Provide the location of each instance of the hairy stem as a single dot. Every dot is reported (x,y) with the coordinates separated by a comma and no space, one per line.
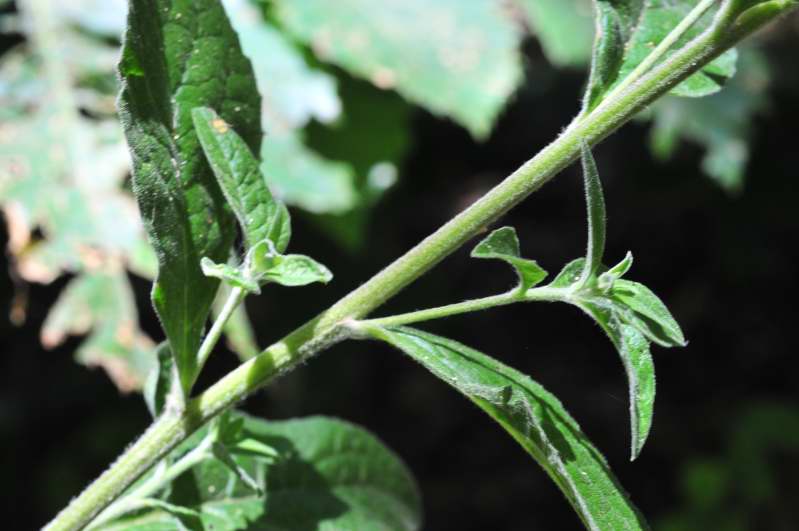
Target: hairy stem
(318,334)
(234,299)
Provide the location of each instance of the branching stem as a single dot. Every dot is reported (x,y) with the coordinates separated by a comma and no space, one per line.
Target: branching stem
(320,333)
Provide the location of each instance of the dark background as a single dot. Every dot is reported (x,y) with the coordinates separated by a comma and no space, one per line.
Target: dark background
(723,450)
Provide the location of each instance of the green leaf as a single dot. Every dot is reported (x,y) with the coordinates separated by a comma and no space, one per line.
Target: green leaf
(570,274)
(296,270)
(647,313)
(102,305)
(633,349)
(503,244)
(609,277)
(301,177)
(722,123)
(179,55)
(457,59)
(563,27)
(231,275)
(329,475)
(238,173)
(163,383)
(534,418)
(630,29)
(595,203)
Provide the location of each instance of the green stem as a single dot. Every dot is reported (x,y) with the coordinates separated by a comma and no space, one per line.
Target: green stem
(137,499)
(234,299)
(171,429)
(449,310)
(665,45)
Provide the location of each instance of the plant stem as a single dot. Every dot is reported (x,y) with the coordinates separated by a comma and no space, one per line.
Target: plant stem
(685,24)
(234,298)
(137,498)
(326,329)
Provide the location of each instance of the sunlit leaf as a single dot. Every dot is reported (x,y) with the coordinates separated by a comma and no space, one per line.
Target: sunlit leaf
(534,418)
(171,63)
(564,28)
(455,58)
(503,244)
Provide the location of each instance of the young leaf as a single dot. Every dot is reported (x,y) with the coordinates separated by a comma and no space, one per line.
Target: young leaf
(238,173)
(534,418)
(331,476)
(606,279)
(633,349)
(267,265)
(178,55)
(595,203)
(647,313)
(503,244)
(230,275)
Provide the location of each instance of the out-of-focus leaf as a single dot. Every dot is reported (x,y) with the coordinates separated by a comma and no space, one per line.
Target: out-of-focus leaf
(301,177)
(61,176)
(722,123)
(239,175)
(178,56)
(327,475)
(503,244)
(534,418)
(101,304)
(104,17)
(630,29)
(564,28)
(455,58)
(293,93)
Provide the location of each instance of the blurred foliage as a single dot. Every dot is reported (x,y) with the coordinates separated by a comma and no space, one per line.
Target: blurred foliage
(340,83)
(741,488)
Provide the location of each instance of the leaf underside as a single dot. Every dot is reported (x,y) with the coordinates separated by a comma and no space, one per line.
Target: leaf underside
(534,418)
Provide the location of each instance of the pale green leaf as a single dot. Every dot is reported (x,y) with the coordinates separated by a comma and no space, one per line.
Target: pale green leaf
(179,55)
(503,244)
(606,280)
(563,27)
(230,274)
(296,270)
(329,475)
(455,58)
(238,173)
(534,418)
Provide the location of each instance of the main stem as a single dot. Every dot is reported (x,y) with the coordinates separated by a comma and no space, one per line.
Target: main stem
(172,428)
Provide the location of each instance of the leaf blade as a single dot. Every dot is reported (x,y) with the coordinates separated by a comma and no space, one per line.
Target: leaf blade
(172,55)
(534,417)
(503,244)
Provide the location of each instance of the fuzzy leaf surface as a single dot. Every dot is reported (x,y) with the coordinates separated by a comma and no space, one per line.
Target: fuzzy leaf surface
(179,55)
(534,418)
(503,244)
(239,175)
(315,473)
(632,28)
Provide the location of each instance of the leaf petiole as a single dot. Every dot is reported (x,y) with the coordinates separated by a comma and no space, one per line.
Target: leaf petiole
(234,299)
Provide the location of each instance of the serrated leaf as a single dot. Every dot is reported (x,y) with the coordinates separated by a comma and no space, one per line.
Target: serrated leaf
(503,244)
(563,27)
(330,476)
(231,275)
(238,173)
(163,384)
(630,29)
(648,313)
(179,55)
(458,59)
(633,349)
(534,418)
